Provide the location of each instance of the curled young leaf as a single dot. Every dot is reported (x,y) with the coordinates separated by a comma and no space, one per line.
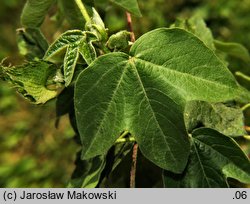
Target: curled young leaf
(73,42)
(34,80)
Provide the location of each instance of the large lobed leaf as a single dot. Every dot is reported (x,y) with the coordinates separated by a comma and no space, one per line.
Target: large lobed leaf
(145,93)
(214,157)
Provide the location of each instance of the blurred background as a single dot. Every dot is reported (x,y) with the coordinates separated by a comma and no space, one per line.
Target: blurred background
(33,153)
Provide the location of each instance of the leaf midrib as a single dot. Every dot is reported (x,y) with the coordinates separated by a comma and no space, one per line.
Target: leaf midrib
(224,157)
(108,107)
(201,165)
(145,94)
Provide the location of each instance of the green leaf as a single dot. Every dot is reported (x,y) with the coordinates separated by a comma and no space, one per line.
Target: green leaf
(129,5)
(74,42)
(145,93)
(31,43)
(34,12)
(197,26)
(214,158)
(87,172)
(227,120)
(233,49)
(34,80)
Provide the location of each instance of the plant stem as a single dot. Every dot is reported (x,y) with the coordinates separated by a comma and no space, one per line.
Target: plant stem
(243,108)
(240,74)
(129,21)
(83,10)
(123,140)
(133,166)
(135,147)
(247,137)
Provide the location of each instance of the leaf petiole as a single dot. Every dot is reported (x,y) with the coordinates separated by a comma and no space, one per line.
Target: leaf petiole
(83,10)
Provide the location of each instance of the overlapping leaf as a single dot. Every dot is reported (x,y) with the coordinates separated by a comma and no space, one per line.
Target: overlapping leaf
(214,158)
(31,43)
(145,93)
(34,12)
(74,42)
(87,172)
(129,5)
(233,49)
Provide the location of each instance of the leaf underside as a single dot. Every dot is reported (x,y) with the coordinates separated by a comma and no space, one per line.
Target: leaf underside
(214,157)
(145,93)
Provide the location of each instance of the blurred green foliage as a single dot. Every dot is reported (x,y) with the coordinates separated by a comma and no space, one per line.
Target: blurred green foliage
(33,153)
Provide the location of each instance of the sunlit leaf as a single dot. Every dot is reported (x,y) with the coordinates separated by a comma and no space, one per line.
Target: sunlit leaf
(35,80)
(197,26)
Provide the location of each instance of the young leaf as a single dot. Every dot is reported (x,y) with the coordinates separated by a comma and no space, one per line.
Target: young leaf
(129,5)
(233,49)
(34,12)
(145,93)
(33,79)
(87,172)
(214,158)
(31,43)
(119,41)
(227,120)
(75,42)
